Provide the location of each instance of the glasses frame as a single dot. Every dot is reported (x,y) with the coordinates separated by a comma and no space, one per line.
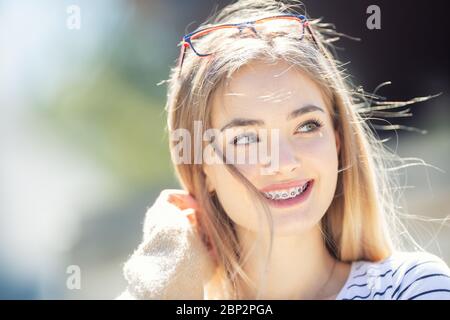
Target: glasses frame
(186,40)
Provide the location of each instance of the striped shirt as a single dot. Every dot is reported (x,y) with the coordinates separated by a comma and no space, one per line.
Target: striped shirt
(402,276)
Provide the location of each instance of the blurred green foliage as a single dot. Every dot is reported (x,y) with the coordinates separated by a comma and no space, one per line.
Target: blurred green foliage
(121,127)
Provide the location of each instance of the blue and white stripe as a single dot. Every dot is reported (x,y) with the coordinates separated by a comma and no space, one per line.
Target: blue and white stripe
(402,276)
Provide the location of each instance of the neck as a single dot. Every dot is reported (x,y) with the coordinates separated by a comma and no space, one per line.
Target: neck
(299,267)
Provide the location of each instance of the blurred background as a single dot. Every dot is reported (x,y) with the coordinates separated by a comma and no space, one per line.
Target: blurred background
(83,150)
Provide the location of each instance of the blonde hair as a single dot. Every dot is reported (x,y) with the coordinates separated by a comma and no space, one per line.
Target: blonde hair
(362,221)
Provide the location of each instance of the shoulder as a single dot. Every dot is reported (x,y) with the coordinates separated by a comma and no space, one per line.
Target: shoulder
(421,275)
(403,275)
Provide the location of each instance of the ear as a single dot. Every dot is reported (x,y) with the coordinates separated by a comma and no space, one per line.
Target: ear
(209,185)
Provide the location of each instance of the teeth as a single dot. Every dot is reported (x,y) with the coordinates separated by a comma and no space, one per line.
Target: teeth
(286,194)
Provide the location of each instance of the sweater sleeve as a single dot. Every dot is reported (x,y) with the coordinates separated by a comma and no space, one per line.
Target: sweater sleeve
(171,262)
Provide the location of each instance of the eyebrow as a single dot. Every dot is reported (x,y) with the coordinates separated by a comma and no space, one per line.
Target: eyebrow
(242,122)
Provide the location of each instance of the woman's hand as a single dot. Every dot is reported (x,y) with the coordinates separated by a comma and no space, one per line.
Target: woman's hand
(173,261)
(190,208)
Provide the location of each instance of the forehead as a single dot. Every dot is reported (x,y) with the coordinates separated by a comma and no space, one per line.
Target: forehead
(264,91)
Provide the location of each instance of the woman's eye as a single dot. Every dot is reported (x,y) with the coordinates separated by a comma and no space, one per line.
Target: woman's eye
(245,139)
(309,126)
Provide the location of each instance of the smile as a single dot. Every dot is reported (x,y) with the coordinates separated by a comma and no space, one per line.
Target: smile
(289,196)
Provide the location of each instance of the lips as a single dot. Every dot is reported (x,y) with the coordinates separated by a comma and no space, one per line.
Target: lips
(288,194)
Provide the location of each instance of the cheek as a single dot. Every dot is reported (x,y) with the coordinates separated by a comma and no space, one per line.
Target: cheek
(320,151)
(228,189)
(320,157)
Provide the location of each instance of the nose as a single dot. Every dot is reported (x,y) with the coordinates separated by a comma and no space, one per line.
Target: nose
(284,159)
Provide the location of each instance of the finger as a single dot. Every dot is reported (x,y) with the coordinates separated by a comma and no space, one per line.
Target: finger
(175,201)
(192,219)
(183,201)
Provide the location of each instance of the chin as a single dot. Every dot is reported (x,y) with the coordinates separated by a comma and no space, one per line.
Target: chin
(295,224)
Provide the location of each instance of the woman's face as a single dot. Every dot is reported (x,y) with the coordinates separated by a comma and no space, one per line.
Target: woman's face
(304,150)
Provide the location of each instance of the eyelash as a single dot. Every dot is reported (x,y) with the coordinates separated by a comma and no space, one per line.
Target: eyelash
(234,141)
(318,123)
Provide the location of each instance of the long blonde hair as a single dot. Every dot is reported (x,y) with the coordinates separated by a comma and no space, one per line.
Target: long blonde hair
(362,220)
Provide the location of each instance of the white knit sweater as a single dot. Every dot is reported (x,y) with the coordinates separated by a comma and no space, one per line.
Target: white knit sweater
(171,262)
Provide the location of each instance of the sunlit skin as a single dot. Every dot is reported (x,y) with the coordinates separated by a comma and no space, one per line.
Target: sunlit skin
(300,266)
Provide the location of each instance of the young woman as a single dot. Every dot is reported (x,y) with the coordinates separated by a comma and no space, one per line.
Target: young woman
(315,217)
